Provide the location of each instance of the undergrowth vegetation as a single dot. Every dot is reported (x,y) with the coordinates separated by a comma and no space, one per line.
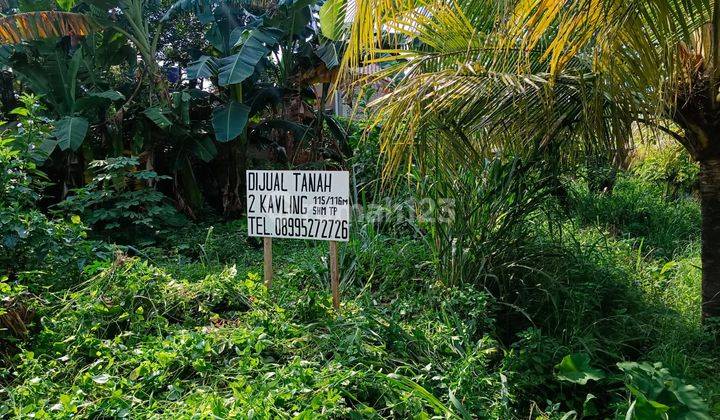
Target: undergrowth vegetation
(525,243)
(594,314)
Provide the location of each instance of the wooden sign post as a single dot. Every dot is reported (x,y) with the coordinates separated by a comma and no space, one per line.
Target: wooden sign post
(334,275)
(267,261)
(301,205)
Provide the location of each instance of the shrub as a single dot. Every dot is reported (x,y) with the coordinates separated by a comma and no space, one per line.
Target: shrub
(37,254)
(29,240)
(667,166)
(652,392)
(119,199)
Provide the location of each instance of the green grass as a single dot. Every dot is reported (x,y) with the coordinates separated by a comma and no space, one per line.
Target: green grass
(640,212)
(185,328)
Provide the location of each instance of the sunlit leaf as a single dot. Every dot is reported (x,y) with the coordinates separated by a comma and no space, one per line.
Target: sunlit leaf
(40,25)
(576,368)
(238,67)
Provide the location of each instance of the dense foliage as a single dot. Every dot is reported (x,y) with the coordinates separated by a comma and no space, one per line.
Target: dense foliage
(528,261)
(137,80)
(593,313)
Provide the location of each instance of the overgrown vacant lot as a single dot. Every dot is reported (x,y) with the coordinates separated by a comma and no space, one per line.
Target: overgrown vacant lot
(517,201)
(184,327)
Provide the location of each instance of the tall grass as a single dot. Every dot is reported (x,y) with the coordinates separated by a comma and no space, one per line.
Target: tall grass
(638,210)
(481,218)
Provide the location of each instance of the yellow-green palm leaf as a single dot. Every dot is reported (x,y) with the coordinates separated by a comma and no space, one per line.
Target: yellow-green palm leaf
(40,25)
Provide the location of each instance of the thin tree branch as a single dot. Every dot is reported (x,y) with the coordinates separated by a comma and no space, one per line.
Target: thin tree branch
(681,139)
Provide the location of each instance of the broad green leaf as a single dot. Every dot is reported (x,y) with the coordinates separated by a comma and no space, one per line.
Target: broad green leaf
(215,37)
(97,99)
(668,266)
(73,68)
(332,19)
(70,132)
(201,9)
(576,368)
(265,35)
(181,104)
(644,409)
(112,95)
(204,149)
(66,5)
(589,408)
(202,68)
(48,146)
(235,37)
(238,67)
(300,20)
(658,394)
(156,115)
(229,121)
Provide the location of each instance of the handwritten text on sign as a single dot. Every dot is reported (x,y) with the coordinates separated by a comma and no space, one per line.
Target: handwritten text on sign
(299,204)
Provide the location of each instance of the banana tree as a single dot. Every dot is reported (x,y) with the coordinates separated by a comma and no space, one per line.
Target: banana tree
(51,59)
(65,56)
(65,84)
(63,73)
(258,56)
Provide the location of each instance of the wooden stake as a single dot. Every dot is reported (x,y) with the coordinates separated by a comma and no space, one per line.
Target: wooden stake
(334,275)
(267,261)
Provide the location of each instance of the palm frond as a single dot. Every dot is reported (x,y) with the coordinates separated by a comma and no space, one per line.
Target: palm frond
(40,25)
(481,75)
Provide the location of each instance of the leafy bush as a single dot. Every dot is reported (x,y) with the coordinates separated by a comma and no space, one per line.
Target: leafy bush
(37,254)
(652,392)
(29,240)
(119,198)
(22,146)
(668,166)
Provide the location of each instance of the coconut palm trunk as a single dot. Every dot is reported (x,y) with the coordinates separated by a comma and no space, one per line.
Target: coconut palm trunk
(710,204)
(698,114)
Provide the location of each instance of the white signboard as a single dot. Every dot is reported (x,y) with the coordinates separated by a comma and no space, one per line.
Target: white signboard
(299,204)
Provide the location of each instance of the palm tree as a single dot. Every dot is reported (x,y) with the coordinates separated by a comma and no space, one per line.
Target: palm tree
(474,74)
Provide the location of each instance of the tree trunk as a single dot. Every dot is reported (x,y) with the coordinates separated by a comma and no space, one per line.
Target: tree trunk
(233,190)
(7,94)
(710,205)
(187,190)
